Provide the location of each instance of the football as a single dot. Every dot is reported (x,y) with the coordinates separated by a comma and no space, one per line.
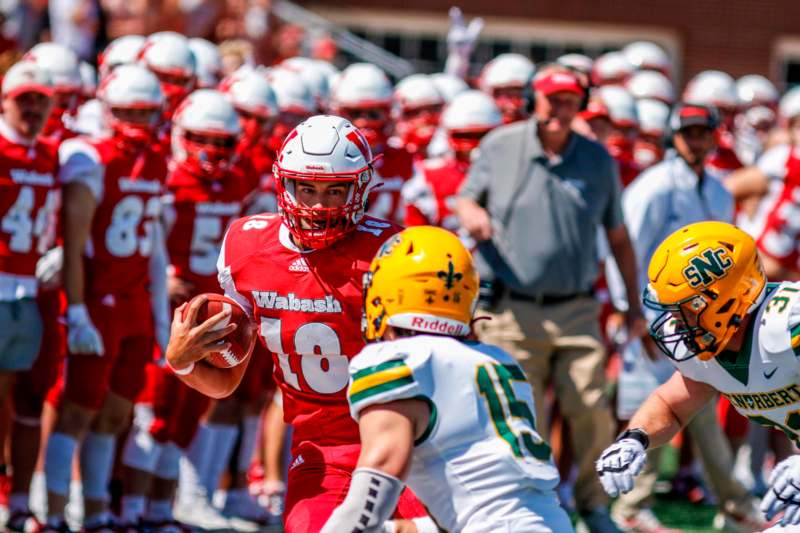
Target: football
(242,339)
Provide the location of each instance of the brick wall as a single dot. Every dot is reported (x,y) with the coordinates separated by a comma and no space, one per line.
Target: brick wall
(734,35)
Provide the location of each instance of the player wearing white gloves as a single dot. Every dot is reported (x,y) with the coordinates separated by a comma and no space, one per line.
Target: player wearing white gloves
(729,331)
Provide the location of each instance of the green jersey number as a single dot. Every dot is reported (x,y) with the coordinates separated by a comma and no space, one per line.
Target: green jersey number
(495,385)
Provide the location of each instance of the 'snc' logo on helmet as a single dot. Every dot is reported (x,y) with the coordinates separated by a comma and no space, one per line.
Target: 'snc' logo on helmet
(707,267)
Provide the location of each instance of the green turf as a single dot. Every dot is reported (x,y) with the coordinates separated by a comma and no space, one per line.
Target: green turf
(686,516)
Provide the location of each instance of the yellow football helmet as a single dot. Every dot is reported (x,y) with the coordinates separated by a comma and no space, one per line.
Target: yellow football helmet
(421,279)
(704,278)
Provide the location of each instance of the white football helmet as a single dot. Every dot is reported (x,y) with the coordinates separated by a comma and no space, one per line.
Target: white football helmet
(251,92)
(449,85)
(254,100)
(209,62)
(611,68)
(205,112)
(417,90)
(363,94)
(620,104)
(646,55)
(63,66)
(60,62)
(712,88)
(468,118)
(506,70)
(509,71)
(121,51)
(789,106)
(651,84)
(579,62)
(131,87)
(362,85)
(315,75)
(653,117)
(755,90)
(418,106)
(170,58)
(291,92)
(327,149)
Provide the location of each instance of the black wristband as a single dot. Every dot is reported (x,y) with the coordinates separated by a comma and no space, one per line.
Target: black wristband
(637,434)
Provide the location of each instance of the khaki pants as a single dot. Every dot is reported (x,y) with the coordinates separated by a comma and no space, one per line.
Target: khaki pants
(561,343)
(712,448)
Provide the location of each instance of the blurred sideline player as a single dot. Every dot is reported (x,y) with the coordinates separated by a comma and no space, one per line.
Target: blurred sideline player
(64,68)
(205,190)
(726,330)
(112,190)
(430,195)
(29,203)
(363,95)
(451,416)
(507,79)
(299,276)
(418,109)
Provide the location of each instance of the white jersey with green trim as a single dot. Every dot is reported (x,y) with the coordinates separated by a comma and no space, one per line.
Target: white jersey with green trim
(762,379)
(480,461)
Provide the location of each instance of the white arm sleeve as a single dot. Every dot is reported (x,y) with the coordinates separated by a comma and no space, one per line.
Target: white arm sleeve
(370,502)
(80,163)
(159,299)
(773,162)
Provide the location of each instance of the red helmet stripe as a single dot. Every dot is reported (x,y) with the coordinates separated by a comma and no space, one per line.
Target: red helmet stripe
(356,138)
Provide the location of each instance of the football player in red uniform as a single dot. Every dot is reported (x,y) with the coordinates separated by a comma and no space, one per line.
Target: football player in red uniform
(255,102)
(112,201)
(299,276)
(363,95)
(64,68)
(295,104)
(507,78)
(430,195)
(205,192)
(418,106)
(29,200)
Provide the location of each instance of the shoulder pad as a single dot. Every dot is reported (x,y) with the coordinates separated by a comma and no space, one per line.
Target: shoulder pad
(389,371)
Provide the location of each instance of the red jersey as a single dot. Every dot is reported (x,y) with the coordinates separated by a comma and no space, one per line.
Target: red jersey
(779,236)
(431,194)
(391,171)
(723,160)
(263,199)
(29,202)
(198,211)
(307,307)
(127,187)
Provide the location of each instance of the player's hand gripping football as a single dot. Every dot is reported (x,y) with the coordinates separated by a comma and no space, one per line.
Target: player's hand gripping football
(784,492)
(190,342)
(82,335)
(619,464)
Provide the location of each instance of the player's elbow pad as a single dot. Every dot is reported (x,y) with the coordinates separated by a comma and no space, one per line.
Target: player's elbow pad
(370,502)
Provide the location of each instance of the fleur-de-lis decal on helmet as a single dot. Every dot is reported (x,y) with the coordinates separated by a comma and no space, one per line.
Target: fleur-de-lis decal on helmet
(450,276)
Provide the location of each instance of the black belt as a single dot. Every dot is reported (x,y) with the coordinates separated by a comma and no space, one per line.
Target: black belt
(548,299)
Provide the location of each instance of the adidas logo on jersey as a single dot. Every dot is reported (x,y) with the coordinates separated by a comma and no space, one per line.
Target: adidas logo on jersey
(290,302)
(299,265)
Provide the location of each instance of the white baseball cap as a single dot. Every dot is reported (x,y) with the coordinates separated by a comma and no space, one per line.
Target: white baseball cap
(26,76)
